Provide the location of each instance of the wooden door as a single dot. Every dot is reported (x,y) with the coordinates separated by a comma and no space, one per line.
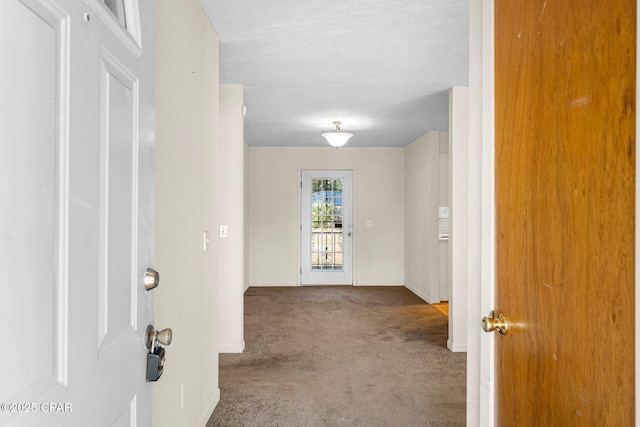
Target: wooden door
(76,216)
(565,182)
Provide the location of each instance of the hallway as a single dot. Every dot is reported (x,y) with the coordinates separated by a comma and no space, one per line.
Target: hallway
(341,356)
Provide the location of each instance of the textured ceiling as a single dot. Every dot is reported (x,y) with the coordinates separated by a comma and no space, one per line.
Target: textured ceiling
(382,67)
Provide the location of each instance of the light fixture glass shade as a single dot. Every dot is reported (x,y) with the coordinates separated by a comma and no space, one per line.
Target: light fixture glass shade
(336,138)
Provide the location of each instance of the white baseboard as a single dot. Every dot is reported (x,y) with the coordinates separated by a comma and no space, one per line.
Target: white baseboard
(422,295)
(378,284)
(271,284)
(456,347)
(210,408)
(231,348)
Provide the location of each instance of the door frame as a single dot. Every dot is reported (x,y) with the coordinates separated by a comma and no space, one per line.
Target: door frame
(481,358)
(481,104)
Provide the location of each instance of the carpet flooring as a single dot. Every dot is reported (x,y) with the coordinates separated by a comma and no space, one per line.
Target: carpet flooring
(341,356)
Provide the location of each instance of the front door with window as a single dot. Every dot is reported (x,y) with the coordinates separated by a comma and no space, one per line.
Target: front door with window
(327,228)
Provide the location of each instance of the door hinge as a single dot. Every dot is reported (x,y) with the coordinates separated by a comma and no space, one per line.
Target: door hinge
(300,227)
(300,270)
(300,184)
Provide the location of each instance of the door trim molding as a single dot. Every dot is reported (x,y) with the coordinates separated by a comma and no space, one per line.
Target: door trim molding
(481,357)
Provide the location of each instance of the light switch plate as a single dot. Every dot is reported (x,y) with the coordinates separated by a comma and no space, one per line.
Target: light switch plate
(223,231)
(205,240)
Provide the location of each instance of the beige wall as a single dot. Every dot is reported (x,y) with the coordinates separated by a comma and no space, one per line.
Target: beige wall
(422,195)
(274,211)
(186,198)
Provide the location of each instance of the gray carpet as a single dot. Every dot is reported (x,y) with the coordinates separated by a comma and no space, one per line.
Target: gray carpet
(341,356)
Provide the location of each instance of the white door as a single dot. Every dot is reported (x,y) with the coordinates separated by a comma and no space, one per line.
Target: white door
(327,228)
(76,211)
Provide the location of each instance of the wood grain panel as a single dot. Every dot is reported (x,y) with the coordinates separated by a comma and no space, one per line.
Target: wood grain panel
(565,183)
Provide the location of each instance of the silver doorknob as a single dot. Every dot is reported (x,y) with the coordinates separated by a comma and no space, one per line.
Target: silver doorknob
(151,279)
(152,336)
(164,336)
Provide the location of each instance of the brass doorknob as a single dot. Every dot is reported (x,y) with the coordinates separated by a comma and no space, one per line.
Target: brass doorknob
(495,322)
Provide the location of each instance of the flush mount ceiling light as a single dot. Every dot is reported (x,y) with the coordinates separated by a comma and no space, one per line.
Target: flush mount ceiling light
(336,138)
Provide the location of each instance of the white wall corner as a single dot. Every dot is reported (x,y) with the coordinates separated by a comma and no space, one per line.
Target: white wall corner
(231,194)
(460,234)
